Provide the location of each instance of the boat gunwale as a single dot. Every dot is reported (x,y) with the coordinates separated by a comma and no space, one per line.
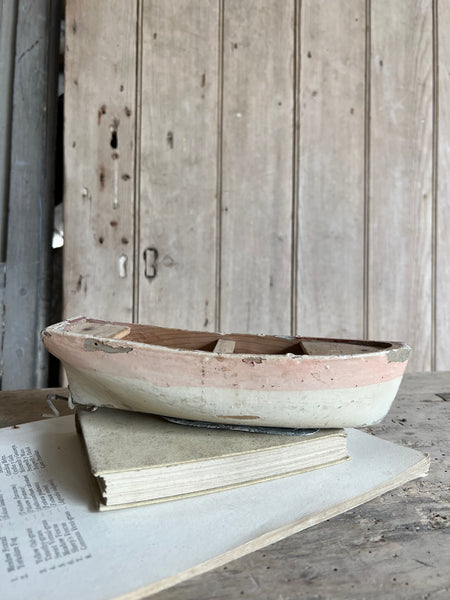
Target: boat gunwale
(59,329)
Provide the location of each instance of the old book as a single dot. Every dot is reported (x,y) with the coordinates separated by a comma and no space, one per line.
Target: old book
(139,458)
(52,539)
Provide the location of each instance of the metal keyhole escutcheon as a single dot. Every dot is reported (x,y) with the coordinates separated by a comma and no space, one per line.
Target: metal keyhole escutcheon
(150,261)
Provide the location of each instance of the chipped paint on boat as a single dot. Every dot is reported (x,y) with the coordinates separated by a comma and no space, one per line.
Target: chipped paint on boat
(281,390)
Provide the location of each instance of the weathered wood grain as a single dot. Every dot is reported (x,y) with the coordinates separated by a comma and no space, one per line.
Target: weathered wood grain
(229,233)
(400,216)
(443,189)
(33,134)
(100,94)
(331,163)
(24,406)
(8,23)
(257,166)
(224,346)
(394,547)
(177,233)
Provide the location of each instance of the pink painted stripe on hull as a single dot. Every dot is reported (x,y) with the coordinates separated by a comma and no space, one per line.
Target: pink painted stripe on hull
(166,368)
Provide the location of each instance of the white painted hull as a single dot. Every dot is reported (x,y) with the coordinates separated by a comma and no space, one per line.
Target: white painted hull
(354,407)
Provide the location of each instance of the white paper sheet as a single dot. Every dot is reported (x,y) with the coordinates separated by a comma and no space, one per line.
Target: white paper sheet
(54,544)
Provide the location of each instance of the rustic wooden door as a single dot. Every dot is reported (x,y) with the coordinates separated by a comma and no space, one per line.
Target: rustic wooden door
(260,166)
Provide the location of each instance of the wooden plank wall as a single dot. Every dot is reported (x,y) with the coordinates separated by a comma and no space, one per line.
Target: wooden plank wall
(441,163)
(286,167)
(8,25)
(25,311)
(401,199)
(330,244)
(256,166)
(99,147)
(178,174)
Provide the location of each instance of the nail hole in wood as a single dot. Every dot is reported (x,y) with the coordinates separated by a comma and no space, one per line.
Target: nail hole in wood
(114,139)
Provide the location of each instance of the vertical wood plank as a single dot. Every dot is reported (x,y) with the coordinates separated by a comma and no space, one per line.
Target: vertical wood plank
(177,274)
(401,176)
(331,162)
(31,193)
(8,22)
(257,166)
(100,95)
(443,191)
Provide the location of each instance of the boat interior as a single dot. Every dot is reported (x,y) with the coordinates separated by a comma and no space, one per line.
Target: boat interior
(222,343)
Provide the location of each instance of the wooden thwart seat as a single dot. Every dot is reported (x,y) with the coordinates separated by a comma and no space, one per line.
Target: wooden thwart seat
(104,330)
(224,346)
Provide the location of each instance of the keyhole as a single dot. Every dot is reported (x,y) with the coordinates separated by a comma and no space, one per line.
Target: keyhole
(114,140)
(123,259)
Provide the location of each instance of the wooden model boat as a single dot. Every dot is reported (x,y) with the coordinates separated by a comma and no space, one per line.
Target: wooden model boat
(260,380)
